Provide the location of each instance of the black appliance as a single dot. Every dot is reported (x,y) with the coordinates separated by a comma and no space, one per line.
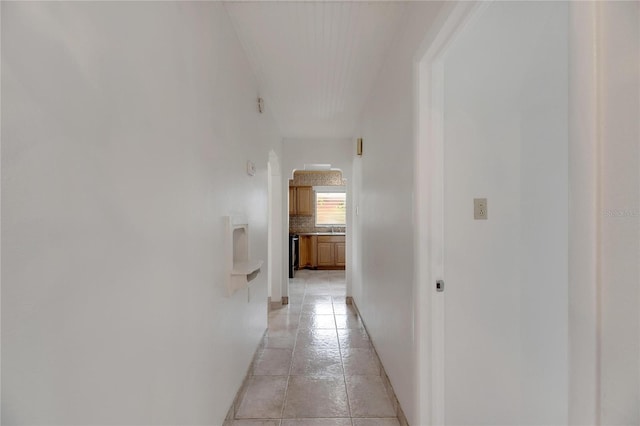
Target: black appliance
(294,240)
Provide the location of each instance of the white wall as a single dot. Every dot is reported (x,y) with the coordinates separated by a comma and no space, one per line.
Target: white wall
(619,126)
(383,288)
(585,215)
(126,128)
(295,154)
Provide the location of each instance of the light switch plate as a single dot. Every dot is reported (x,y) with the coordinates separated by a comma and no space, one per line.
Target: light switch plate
(480,208)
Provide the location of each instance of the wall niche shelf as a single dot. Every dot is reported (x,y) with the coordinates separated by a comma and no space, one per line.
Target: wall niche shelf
(242,270)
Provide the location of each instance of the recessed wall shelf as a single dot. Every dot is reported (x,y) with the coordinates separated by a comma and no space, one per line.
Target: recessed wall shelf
(242,270)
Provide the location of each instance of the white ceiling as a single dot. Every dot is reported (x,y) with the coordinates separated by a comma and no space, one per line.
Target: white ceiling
(316,61)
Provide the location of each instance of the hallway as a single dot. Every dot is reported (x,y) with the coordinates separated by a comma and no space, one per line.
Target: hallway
(316,365)
(490,158)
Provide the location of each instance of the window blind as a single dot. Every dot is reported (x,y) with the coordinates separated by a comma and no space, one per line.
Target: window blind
(331,208)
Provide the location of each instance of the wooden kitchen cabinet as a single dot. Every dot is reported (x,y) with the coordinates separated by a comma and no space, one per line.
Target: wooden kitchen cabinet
(301,201)
(341,254)
(325,254)
(307,251)
(331,251)
(292,201)
(304,200)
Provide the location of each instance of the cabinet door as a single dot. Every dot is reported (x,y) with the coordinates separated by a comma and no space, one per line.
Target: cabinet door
(292,201)
(304,252)
(340,253)
(304,195)
(325,254)
(313,251)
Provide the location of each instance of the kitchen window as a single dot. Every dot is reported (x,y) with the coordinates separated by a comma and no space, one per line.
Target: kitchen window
(331,209)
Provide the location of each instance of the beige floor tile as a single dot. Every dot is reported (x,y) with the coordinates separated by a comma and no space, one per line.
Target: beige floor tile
(279,311)
(272,422)
(317,361)
(316,397)
(317,321)
(376,422)
(283,332)
(317,333)
(340,307)
(316,422)
(264,398)
(283,320)
(273,362)
(296,299)
(368,397)
(322,299)
(317,366)
(293,307)
(317,338)
(279,342)
(344,309)
(317,290)
(348,321)
(317,308)
(354,338)
(360,361)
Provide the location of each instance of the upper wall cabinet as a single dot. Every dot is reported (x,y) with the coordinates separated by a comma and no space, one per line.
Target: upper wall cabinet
(293,207)
(300,201)
(304,196)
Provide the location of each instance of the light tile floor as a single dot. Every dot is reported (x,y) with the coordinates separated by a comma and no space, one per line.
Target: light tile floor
(317,366)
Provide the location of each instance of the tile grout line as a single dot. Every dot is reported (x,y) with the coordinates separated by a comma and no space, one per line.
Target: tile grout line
(344,372)
(293,349)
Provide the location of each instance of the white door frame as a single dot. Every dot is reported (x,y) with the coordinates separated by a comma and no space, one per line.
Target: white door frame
(349,241)
(275,241)
(428,208)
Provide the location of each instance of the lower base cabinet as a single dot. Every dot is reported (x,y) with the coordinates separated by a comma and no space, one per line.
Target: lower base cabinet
(307,255)
(326,254)
(331,251)
(341,254)
(322,252)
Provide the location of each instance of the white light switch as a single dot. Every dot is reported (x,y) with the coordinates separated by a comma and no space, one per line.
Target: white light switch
(480,208)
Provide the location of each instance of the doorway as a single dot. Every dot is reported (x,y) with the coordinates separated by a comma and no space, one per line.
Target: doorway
(317,220)
(274,244)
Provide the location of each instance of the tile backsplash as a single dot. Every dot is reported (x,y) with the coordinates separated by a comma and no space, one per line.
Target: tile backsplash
(302,224)
(317,178)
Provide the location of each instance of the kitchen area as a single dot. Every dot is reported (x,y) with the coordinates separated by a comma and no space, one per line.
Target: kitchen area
(317,221)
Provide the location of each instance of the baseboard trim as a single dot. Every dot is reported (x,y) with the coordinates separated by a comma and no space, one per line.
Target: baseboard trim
(385,378)
(272,306)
